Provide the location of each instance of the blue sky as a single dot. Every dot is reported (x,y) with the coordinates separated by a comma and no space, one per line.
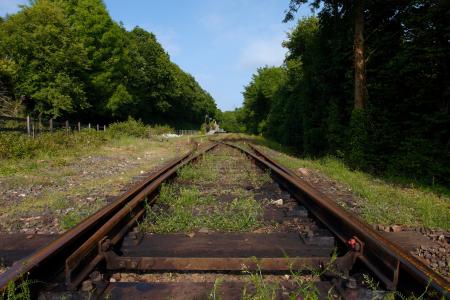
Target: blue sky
(221,43)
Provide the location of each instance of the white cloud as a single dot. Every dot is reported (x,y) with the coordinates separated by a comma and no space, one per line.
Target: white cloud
(260,52)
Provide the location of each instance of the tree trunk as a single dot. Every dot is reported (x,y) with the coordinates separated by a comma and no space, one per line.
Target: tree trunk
(360,64)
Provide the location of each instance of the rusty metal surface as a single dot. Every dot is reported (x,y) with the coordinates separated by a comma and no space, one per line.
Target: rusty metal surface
(272,264)
(391,263)
(46,258)
(15,246)
(220,244)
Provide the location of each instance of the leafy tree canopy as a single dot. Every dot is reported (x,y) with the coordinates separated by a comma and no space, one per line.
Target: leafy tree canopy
(69,59)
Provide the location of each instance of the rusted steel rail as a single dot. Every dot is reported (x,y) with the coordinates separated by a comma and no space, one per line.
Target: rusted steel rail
(112,231)
(49,260)
(394,266)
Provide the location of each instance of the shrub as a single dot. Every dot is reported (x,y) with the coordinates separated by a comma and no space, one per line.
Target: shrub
(160,129)
(19,145)
(16,145)
(131,127)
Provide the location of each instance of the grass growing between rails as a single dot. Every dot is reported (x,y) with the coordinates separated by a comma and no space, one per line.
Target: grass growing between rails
(18,291)
(185,210)
(303,284)
(213,193)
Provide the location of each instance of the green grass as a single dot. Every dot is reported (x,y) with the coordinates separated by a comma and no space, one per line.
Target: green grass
(386,201)
(186,210)
(223,168)
(381,202)
(61,185)
(182,209)
(18,291)
(203,171)
(258,288)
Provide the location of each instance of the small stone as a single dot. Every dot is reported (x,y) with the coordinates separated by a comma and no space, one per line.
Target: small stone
(142,172)
(303,171)
(387,229)
(300,212)
(203,230)
(441,238)
(277,202)
(380,227)
(442,250)
(441,264)
(22,195)
(396,228)
(112,279)
(190,234)
(87,286)
(96,276)
(116,277)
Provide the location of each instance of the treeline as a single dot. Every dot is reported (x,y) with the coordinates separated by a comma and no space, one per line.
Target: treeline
(309,102)
(68,59)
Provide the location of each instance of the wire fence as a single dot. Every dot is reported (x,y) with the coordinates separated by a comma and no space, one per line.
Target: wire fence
(186,132)
(33,126)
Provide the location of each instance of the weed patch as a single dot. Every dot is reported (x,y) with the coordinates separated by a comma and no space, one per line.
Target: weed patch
(186,209)
(380,202)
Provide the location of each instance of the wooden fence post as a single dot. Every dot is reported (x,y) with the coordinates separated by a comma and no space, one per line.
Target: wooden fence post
(67,125)
(32,125)
(79,126)
(89,125)
(98,128)
(51,125)
(104,127)
(28,126)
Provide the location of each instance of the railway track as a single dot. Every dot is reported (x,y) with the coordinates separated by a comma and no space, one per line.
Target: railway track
(128,249)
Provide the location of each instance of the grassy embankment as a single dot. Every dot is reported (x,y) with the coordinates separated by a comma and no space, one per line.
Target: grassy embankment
(400,201)
(65,177)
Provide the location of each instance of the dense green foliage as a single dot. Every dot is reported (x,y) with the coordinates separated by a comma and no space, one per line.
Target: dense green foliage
(405,128)
(18,145)
(69,59)
(231,121)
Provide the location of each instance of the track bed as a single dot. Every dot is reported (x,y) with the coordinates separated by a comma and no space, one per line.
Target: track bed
(216,224)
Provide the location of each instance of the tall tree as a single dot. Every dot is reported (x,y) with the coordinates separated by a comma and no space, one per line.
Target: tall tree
(69,59)
(360,93)
(360,63)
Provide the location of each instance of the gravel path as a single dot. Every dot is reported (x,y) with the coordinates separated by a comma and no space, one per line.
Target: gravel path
(57,194)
